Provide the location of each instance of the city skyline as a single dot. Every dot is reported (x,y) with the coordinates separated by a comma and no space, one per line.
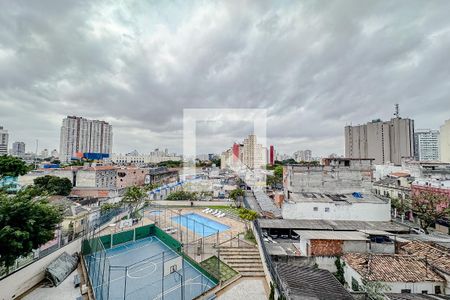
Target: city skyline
(124,63)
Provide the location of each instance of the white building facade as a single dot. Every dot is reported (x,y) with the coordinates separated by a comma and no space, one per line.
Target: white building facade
(445,142)
(426,144)
(79,135)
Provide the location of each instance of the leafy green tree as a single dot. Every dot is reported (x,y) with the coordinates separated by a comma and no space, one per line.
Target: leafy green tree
(105,208)
(26,222)
(182,195)
(54,185)
(247,215)
(236,195)
(430,207)
(12,166)
(134,196)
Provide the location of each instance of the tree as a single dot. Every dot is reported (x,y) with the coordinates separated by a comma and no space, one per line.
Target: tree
(12,166)
(247,215)
(26,222)
(54,185)
(182,195)
(375,290)
(236,194)
(401,206)
(133,196)
(430,207)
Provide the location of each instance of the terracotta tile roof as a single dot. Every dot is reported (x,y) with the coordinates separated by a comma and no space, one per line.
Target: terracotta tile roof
(391,268)
(438,258)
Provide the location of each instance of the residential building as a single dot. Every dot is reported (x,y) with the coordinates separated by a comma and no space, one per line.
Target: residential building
(254,154)
(3,141)
(249,154)
(336,243)
(18,149)
(271,155)
(351,207)
(388,141)
(44,153)
(134,158)
(395,185)
(435,256)
(426,144)
(335,176)
(54,153)
(80,135)
(427,169)
(303,155)
(400,273)
(445,142)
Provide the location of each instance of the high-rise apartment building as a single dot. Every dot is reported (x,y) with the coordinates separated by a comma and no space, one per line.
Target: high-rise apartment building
(3,141)
(254,154)
(387,141)
(249,154)
(444,141)
(79,135)
(18,149)
(426,144)
(302,155)
(271,155)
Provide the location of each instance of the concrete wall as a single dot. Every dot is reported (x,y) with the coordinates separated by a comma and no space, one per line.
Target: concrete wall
(355,212)
(354,247)
(21,281)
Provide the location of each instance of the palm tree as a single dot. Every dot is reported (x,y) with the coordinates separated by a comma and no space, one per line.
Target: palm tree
(133,196)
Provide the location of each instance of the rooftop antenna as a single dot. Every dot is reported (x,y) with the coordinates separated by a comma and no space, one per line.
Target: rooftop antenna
(397,112)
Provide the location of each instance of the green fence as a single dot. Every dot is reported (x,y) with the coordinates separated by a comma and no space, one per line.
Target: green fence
(106,240)
(122,237)
(167,239)
(144,231)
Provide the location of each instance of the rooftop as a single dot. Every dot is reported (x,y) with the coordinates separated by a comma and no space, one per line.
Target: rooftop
(438,258)
(335,198)
(332,225)
(391,268)
(310,283)
(331,235)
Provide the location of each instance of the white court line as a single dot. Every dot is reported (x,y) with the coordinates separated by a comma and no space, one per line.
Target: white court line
(176,287)
(123,276)
(151,241)
(152,264)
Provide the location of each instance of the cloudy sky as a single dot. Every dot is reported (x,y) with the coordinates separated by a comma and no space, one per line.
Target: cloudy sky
(315,66)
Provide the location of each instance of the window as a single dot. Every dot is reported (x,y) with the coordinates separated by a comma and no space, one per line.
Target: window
(406,291)
(327,209)
(355,285)
(424,292)
(437,290)
(316,209)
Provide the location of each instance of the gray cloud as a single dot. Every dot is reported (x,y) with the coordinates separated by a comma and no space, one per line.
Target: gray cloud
(315,66)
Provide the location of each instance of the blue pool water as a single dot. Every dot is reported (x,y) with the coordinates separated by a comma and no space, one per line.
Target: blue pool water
(195,222)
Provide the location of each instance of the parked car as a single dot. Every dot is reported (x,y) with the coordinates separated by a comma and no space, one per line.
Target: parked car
(295,236)
(284,236)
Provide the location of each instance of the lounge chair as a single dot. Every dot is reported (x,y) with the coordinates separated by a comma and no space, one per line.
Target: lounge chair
(205,210)
(222,215)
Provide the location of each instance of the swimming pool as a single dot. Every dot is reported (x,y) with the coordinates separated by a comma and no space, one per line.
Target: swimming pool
(195,221)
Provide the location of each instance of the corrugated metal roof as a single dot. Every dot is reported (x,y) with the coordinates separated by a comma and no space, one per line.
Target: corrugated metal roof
(310,283)
(332,225)
(266,203)
(331,235)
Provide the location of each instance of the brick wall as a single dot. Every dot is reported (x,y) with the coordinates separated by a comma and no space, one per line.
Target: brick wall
(326,247)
